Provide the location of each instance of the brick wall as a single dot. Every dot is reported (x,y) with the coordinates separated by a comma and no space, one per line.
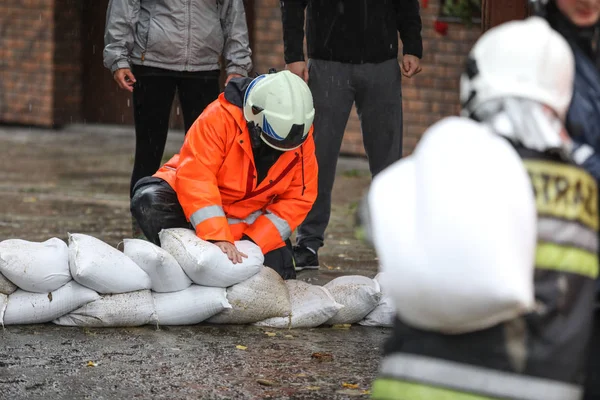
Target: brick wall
(67,63)
(428,97)
(40,66)
(26,49)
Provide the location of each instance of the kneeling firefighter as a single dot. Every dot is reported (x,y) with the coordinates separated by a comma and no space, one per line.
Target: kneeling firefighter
(247,170)
(493,282)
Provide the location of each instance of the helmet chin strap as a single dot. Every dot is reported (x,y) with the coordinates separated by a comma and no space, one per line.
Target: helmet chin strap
(525,122)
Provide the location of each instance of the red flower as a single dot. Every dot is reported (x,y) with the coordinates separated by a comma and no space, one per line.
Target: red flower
(441,27)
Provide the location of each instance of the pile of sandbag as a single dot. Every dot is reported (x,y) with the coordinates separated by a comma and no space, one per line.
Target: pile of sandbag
(185,281)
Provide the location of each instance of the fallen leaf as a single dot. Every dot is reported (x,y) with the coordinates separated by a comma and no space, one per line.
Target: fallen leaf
(313,388)
(341,326)
(341,255)
(91,364)
(322,357)
(344,242)
(365,392)
(240,347)
(266,382)
(29,200)
(270,334)
(288,336)
(350,385)
(349,392)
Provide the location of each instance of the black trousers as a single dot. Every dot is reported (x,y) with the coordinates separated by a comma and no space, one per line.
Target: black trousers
(155,207)
(153,96)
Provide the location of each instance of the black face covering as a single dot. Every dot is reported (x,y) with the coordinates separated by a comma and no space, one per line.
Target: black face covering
(255,133)
(585,38)
(264,155)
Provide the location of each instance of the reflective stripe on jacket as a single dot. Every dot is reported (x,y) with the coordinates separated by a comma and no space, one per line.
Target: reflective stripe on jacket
(538,356)
(187,35)
(216,182)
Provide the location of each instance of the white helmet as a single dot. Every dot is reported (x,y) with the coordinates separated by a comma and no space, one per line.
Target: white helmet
(281,105)
(524,59)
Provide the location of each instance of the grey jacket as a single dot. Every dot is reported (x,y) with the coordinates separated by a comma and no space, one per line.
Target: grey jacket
(188,35)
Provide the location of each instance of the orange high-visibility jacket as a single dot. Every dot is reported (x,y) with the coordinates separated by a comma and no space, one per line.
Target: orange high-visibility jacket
(215,179)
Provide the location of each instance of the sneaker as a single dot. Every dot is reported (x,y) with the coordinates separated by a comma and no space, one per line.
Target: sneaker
(305,258)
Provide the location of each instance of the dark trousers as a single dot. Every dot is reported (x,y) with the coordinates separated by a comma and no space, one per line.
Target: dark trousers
(376,90)
(155,207)
(592,381)
(153,96)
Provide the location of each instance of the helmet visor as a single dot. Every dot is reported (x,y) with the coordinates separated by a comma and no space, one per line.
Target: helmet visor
(293,140)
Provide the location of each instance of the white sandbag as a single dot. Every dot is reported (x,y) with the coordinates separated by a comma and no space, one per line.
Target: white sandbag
(359,295)
(3,304)
(190,306)
(103,268)
(384,314)
(454,226)
(164,271)
(205,263)
(125,309)
(38,267)
(263,296)
(37,308)
(312,306)
(6,286)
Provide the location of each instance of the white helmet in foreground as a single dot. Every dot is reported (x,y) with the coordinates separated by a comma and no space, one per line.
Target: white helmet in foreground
(523,71)
(281,105)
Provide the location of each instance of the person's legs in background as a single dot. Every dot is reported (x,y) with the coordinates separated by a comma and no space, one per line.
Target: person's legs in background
(379,108)
(152,101)
(333,96)
(197,90)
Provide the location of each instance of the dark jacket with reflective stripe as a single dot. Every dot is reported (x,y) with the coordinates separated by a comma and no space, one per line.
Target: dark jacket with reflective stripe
(549,343)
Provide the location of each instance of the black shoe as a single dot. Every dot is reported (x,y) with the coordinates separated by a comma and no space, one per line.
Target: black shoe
(305,259)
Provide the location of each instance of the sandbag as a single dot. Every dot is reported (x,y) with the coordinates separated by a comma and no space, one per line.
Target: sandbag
(458,251)
(263,296)
(312,306)
(385,313)
(359,295)
(3,303)
(38,267)
(38,308)
(101,267)
(205,263)
(190,306)
(125,309)
(165,273)
(6,286)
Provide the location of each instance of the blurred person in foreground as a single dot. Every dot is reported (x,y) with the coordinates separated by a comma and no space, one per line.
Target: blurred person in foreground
(491,251)
(246,171)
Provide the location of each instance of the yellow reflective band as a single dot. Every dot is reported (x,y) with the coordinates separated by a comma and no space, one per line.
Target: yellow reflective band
(564,191)
(566,259)
(391,389)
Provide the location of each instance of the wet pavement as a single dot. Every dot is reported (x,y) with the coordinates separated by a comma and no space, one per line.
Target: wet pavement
(76,180)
